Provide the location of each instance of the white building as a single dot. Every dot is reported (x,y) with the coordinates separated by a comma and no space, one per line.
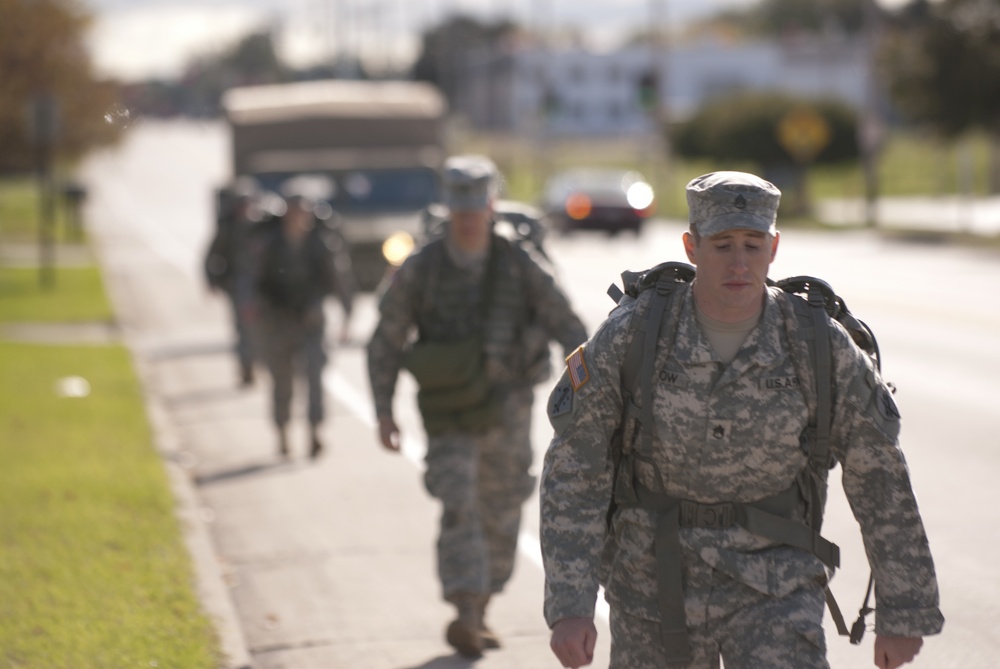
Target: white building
(576,92)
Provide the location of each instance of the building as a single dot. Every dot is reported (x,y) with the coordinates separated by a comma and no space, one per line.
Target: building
(573,92)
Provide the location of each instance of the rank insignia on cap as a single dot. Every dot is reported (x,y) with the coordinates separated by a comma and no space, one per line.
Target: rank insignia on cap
(578,374)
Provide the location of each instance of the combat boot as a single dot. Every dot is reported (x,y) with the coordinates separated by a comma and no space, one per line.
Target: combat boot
(246,375)
(282,441)
(463,633)
(315,445)
(488,637)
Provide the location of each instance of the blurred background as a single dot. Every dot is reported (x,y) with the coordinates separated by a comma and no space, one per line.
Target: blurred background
(866,98)
(121,124)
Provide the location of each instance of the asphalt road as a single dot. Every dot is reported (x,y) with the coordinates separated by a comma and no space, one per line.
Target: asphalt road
(331,564)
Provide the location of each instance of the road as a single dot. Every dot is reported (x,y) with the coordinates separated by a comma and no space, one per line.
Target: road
(330,565)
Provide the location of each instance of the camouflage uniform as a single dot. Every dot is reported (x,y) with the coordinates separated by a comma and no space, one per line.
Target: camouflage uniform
(292,284)
(482,479)
(724,433)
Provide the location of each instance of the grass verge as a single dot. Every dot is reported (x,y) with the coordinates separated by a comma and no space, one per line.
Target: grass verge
(76,295)
(93,571)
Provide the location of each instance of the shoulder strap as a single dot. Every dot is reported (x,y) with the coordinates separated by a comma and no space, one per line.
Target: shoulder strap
(637,366)
(823,302)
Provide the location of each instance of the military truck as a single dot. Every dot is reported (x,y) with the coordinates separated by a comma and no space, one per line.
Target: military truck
(379,143)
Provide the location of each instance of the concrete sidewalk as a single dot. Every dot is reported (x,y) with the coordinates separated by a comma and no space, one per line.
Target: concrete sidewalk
(330,563)
(326,564)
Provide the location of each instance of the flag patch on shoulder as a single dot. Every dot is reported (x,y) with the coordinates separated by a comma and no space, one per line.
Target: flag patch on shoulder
(578,374)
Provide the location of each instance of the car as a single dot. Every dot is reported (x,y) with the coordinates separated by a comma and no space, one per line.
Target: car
(598,199)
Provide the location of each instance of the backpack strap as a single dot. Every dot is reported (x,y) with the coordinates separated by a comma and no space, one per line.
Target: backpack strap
(820,302)
(640,356)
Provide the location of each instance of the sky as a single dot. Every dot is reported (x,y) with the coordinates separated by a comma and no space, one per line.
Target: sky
(138,39)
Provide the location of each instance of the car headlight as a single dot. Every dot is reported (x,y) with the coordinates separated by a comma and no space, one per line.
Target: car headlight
(397,247)
(639,195)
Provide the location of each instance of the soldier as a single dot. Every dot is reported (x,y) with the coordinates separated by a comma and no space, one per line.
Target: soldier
(229,264)
(484,312)
(303,260)
(696,519)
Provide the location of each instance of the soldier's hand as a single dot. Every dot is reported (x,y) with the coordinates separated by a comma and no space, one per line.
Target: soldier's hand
(388,433)
(573,641)
(895,651)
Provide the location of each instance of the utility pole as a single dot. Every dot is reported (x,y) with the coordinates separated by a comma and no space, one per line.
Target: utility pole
(871,130)
(659,45)
(44,119)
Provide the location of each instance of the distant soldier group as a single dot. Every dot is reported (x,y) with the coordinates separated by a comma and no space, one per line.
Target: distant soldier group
(277,258)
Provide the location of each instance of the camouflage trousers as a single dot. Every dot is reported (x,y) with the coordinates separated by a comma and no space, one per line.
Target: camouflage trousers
(292,343)
(728,619)
(482,481)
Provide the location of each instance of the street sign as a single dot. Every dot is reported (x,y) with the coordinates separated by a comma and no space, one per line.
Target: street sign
(803,133)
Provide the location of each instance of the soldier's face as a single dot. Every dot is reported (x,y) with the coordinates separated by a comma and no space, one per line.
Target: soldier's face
(297,220)
(470,229)
(732,270)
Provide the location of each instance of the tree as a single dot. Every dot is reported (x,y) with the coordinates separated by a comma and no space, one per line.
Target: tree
(42,57)
(251,60)
(943,64)
(774,18)
(446,49)
(779,134)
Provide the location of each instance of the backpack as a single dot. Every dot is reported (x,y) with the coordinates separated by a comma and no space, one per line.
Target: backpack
(519,223)
(815,304)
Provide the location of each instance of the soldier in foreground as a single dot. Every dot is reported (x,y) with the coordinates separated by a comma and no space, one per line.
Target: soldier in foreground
(303,261)
(699,520)
(483,311)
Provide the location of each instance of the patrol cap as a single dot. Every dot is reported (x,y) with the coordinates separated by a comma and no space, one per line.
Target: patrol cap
(470,182)
(721,201)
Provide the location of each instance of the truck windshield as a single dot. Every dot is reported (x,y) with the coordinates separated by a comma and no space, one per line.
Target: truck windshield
(359,190)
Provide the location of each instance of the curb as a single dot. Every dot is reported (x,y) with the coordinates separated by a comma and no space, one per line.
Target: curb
(210,577)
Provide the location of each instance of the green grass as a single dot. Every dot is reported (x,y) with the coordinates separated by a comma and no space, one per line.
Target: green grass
(77,294)
(18,209)
(93,572)
(20,212)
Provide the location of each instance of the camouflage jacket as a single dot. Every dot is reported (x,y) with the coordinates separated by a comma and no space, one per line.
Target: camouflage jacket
(725,433)
(432,298)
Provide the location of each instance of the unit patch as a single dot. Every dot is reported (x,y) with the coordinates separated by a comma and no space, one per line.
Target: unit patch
(780,383)
(577,367)
(561,398)
(886,405)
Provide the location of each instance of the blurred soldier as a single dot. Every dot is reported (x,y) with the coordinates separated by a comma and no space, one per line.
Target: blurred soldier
(303,260)
(229,264)
(714,472)
(483,311)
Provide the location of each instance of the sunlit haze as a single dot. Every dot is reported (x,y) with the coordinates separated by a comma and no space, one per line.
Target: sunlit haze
(158,38)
